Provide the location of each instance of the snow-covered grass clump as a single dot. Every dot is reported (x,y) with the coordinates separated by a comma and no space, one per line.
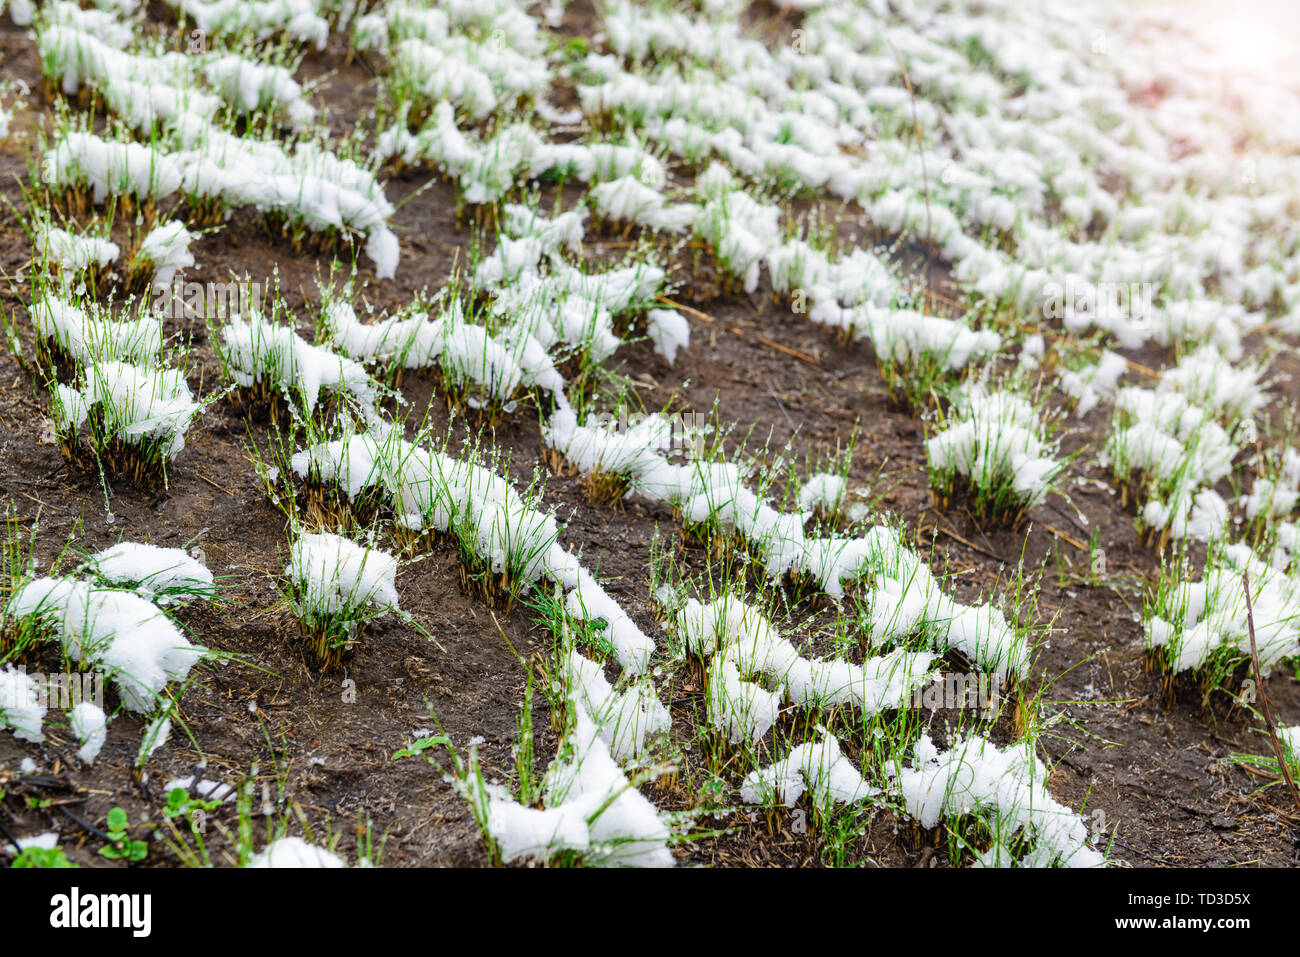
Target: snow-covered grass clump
(627,719)
(609,459)
(738,710)
(163,252)
(133,419)
(916,352)
(73,252)
(335,588)
(1201,624)
(294,852)
(818,767)
(469,356)
(89,724)
(268,360)
(116,631)
(745,655)
(307,190)
(507,542)
(999,444)
(21,709)
(1089,384)
(80,160)
(591,814)
(1004,786)
(252,86)
(311,189)
(141,88)
(669,331)
(163,575)
(70,333)
(1169,453)
(298,19)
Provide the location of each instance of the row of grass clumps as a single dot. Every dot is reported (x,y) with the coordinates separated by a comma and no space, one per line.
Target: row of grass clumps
(785,730)
(347,479)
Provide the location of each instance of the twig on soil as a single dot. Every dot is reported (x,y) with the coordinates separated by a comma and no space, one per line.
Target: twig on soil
(57,508)
(739,332)
(957,538)
(1283,765)
(219,488)
(196,780)
(1259,773)
(1066,538)
(786,349)
(703,316)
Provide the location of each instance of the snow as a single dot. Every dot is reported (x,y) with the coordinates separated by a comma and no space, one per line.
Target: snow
(47,841)
(256,350)
(1194,618)
(626,719)
(1091,384)
(997,443)
(90,726)
(976,776)
(156,734)
(625,829)
(147,406)
(118,632)
(741,643)
(536,832)
(205,789)
(818,767)
(159,574)
(297,18)
(589,807)
(294,852)
(588,601)
(740,710)
(20,707)
(167,249)
(334,575)
(72,252)
(1161,436)
(823,490)
(249,86)
(91,335)
(111,167)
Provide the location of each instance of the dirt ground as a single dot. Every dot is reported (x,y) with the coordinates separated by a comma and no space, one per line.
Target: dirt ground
(1147,757)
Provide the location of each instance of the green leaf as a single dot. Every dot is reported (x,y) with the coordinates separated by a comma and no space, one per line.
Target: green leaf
(423,744)
(41,857)
(117,820)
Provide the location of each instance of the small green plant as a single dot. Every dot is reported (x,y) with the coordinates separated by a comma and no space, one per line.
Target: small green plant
(121,846)
(181,807)
(420,745)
